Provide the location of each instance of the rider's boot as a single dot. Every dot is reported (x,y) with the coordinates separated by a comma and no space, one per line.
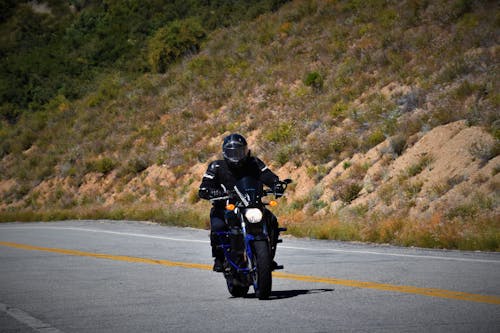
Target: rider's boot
(218,265)
(275,266)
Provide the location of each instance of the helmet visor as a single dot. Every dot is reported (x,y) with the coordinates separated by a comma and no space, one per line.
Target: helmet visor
(235,154)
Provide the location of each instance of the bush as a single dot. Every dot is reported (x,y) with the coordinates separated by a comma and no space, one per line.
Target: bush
(347,190)
(478,204)
(387,192)
(281,134)
(398,144)
(324,146)
(104,165)
(417,168)
(374,138)
(108,89)
(9,112)
(339,110)
(137,165)
(484,151)
(314,80)
(173,41)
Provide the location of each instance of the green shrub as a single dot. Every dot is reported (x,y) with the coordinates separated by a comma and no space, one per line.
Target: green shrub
(374,138)
(137,165)
(452,71)
(440,188)
(358,171)
(104,165)
(283,156)
(314,80)
(339,110)
(324,146)
(9,112)
(465,89)
(386,192)
(318,172)
(26,139)
(461,7)
(347,190)
(281,134)
(411,190)
(417,168)
(387,18)
(398,144)
(173,41)
(108,89)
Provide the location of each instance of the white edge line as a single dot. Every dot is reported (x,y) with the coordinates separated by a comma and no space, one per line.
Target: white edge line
(281,246)
(112,232)
(394,254)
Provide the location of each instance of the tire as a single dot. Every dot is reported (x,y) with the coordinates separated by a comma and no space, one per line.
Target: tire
(264,270)
(236,290)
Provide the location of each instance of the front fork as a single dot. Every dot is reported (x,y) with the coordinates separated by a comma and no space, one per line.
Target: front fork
(247,239)
(248,253)
(273,243)
(246,250)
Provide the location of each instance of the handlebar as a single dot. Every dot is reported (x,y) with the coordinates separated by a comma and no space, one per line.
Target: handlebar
(233,193)
(284,183)
(219,198)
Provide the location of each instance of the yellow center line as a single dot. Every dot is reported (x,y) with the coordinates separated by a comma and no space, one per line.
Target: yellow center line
(432,292)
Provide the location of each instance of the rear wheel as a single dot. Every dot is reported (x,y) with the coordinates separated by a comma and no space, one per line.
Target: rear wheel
(263,277)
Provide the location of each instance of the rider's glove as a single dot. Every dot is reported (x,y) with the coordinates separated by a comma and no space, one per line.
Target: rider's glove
(210,193)
(231,194)
(216,193)
(278,189)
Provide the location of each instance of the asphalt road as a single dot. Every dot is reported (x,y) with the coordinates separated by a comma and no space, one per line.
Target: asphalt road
(102,276)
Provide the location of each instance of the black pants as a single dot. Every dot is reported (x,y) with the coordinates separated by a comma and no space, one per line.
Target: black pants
(218,223)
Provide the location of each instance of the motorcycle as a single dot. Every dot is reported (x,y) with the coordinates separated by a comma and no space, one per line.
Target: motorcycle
(250,244)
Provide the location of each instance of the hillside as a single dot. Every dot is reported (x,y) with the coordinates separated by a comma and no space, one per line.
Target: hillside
(385,113)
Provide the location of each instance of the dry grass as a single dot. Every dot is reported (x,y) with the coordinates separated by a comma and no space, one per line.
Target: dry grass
(177,216)
(480,233)
(437,232)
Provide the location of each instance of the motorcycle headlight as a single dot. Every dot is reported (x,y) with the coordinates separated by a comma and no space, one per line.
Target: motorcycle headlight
(253,215)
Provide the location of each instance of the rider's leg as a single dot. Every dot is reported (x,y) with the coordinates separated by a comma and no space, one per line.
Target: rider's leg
(217,224)
(236,236)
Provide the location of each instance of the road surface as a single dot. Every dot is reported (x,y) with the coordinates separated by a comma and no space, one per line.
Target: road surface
(124,276)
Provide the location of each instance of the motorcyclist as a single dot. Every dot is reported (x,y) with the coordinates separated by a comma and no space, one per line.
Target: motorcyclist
(222,175)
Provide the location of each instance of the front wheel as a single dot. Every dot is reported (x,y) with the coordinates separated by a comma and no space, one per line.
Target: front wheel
(237,291)
(263,275)
(234,286)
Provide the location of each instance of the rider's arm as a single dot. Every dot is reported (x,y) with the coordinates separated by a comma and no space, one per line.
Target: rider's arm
(268,177)
(210,185)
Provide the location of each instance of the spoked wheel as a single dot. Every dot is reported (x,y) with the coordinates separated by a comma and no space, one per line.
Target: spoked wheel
(263,277)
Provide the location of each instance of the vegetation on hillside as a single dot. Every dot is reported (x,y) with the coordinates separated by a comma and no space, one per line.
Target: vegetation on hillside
(115,88)
(58,48)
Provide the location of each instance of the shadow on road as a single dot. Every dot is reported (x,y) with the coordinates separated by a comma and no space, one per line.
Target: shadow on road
(282,294)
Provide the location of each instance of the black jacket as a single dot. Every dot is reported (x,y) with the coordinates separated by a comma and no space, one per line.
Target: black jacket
(219,173)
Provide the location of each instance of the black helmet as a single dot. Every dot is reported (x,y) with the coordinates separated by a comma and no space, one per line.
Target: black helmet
(235,149)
